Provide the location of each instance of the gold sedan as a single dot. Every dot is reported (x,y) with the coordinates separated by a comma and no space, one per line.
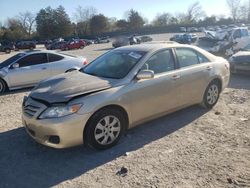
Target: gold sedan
(119,90)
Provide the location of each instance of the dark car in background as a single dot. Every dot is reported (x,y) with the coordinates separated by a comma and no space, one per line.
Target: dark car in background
(120,41)
(88,42)
(186,38)
(134,40)
(6,47)
(74,44)
(100,40)
(25,45)
(145,39)
(55,45)
(240,62)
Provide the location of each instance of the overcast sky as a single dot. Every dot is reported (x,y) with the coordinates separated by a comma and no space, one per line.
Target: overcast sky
(112,8)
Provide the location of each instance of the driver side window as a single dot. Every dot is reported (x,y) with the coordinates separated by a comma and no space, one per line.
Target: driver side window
(160,62)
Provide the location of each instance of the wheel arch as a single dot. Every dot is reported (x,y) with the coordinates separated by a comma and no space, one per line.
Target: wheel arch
(218,80)
(71,69)
(111,106)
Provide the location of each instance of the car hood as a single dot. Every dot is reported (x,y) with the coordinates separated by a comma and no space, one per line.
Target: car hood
(62,88)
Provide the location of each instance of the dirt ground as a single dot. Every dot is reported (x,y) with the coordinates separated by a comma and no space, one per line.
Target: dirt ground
(190,148)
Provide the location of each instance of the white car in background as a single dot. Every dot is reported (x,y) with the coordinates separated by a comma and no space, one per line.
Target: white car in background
(26,69)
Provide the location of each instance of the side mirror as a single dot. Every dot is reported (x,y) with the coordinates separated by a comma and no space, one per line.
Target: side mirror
(145,74)
(15,66)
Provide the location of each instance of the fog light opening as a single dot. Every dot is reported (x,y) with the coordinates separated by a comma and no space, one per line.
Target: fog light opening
(54,139)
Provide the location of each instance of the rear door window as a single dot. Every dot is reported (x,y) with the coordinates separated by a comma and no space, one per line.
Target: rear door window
(186,57)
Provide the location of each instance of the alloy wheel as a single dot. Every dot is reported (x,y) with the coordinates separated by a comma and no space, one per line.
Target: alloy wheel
(107,130)
(212,94)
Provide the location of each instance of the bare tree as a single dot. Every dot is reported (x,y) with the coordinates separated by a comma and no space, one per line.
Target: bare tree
(194,12)
(83,16)
(234,7)
(27,20)
(162,19)
(84,13)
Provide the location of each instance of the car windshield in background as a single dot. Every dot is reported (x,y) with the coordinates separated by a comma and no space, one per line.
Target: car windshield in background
(11,60)
(114,64)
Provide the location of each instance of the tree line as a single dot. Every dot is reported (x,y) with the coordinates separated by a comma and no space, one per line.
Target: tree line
(51,23)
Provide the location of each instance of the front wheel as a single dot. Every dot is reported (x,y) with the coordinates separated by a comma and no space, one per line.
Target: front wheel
(211,95)
(105,128)
(3,86)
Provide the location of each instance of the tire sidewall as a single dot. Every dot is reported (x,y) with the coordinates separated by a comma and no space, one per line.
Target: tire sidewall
(90,129)
(205,102)
(4,86)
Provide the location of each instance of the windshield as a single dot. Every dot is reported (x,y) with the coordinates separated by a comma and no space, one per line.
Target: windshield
(11,60)
(114,64)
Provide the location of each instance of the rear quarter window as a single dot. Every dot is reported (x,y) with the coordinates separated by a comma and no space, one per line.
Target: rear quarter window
(187,57)
(54,57)
(202,58)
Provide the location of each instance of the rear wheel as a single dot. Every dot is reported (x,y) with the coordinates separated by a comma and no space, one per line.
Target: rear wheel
(105,128)
(211,94)
(3,86)
(7,51)
(81,47)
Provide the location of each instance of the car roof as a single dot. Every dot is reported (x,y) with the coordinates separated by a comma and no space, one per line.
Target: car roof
(28,52)
(242,53)
(158,45)
(152,46)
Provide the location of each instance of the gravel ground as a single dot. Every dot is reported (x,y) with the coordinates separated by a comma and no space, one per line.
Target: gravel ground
(190,148)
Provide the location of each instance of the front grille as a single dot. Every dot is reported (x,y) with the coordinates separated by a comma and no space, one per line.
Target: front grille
(31,110)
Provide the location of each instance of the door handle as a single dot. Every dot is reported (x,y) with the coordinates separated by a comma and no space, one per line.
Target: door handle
(209,68)
(44,68)
(175,77)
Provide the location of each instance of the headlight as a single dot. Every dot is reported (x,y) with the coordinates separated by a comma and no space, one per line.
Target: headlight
(60,111)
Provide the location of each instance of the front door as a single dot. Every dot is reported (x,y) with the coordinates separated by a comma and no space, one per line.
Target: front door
(157,95)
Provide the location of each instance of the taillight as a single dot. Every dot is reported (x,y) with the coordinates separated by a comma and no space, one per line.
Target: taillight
(85,62)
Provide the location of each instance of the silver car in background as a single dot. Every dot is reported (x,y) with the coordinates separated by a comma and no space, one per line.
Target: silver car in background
(119,90)
(26,69)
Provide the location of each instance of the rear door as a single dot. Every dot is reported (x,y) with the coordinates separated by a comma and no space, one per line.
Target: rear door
(32,69)
(195,71)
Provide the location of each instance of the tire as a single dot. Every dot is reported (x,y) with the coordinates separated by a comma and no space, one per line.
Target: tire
(99,130)
(81,47)
(211,95)
(7,51)
(31,48)
(3,86)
